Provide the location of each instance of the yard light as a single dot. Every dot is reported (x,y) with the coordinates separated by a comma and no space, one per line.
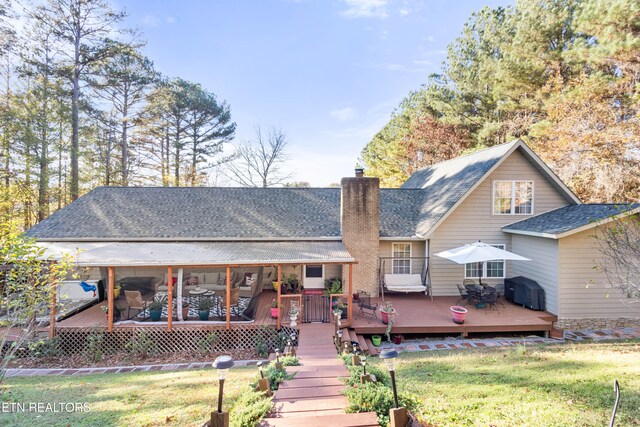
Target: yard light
(389,356)
(222,364)
(355,347)
(277,355)
(363,362)
(261,369)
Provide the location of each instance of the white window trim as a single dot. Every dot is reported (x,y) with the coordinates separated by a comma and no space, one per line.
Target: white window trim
(513,196)
(484,266)
(410,255)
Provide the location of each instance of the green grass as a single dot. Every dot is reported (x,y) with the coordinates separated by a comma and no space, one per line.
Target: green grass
(562,385)
(178,398)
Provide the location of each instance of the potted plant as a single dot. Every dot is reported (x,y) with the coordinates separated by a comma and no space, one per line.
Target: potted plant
(185,309)
(338,305)
(274,278)
(333,286)
(274,309)
(376,340)
(397,339)
(458,313)
(116,291)
(293,283)
(388,314)
(204,307)
(155,310)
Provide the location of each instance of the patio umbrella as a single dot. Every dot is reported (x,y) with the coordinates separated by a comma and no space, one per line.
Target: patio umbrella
(479,252)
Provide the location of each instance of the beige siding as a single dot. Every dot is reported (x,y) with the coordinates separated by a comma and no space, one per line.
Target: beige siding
(583,293)
(474,220)
(543,267)
(417,251)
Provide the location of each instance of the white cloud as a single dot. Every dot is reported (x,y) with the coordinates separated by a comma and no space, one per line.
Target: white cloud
(431,38)
(169,19)
(404,12)
(365,9)
(150,20)
(344,114)
(422,62)
(384,35)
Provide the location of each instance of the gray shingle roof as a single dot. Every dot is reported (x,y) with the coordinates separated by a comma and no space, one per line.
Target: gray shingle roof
(446,182)
(195,213)
(568,218)
(139,213)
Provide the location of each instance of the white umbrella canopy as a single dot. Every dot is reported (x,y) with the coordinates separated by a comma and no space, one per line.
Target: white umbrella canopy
(478,252)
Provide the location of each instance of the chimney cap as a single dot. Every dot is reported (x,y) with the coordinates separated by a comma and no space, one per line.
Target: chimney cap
(359,172)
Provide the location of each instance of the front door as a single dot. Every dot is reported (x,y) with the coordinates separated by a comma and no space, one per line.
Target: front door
(313,276)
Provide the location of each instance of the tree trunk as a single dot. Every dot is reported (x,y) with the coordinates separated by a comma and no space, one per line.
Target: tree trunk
(177,165)
(75,142)
(125,145)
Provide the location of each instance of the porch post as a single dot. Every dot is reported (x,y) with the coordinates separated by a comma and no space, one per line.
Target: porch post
(52,310)
(228,298)
(350,296)
(279,293)
(170,299)
(110,291)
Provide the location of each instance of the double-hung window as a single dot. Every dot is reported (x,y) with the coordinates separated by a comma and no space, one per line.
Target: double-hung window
(401,258)
(513,197)
(490,269)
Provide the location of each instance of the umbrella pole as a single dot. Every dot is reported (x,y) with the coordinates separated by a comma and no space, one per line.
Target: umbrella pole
(480,274)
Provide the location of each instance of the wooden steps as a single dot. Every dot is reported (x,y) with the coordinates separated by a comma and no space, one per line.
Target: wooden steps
(328,420)
(314,396)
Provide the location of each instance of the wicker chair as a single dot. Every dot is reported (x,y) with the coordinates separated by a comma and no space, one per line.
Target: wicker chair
(135,301)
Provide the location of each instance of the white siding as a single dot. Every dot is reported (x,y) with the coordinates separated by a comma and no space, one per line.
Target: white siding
(583,293)
(473,220)
(543,267)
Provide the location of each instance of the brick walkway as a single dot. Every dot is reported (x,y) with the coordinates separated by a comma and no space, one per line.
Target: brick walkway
(457,343)
(313,398)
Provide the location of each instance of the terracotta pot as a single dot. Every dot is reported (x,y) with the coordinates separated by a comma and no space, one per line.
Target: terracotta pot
(385,316)
(458,314)
(274,312)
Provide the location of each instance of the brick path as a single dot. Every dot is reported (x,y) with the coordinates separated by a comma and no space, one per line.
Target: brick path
(313,397)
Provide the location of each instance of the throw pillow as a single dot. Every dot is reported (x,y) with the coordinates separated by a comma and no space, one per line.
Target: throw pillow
(250,281)
(192,280)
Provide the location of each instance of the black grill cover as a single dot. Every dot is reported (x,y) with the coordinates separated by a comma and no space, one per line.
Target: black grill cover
(523,291)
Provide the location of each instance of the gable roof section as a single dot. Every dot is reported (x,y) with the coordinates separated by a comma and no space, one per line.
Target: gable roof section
(192,214)
(198,213)
(447,184)
(570,219)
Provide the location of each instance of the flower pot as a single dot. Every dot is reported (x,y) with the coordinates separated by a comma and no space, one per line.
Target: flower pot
(274,312)
(397,340)
(155,315)
(356,297)
(294,321)
(275,286)
(385,316)
(185,312)
(116,293)
(203,314)
(458,314)
(376,340)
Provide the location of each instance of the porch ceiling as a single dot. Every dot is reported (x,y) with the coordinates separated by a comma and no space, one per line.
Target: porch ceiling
(120,254)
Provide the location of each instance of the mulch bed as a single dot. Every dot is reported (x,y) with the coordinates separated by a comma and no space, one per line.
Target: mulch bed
(77,361)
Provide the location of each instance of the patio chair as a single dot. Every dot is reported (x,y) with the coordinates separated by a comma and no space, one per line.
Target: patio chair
(135,301)
(366,307)
(474,293)
(490,300)
(469,298)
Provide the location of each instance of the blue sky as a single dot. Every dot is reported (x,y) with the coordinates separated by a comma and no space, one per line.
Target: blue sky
(328,72)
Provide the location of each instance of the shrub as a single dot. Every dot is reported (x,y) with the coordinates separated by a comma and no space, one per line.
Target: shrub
(141,345)
(382,377)
(262,348)
(44,348)
(275,375)
(93,350)
(289,361)
(205,345)
(377,398)
(249,409)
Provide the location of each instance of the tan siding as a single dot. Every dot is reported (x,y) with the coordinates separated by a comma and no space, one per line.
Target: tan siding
(417,250)
(543,267)
(583,293)
(474,220)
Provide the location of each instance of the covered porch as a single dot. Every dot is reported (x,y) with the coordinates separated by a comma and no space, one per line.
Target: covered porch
(160,272)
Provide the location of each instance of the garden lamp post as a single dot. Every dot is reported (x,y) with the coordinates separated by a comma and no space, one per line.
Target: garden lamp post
(389,357)
(278,364)
(263,383)
(292,343)
(398,416)
(363,362)
(261,369)
(222,364)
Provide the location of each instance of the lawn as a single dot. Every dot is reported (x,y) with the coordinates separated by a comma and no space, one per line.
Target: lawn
(178,398)
(561,385)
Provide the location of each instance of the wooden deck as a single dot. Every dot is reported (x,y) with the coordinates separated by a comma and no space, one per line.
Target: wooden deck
(94,317)
(417,314)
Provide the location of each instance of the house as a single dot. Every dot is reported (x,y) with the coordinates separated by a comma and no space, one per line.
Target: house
(219,239)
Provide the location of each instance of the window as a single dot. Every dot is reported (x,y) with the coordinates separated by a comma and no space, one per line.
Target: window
(490,269)
(400,251)
(513,197)
(313,271)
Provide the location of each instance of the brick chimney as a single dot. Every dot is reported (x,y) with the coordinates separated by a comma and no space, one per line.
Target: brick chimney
(360,223)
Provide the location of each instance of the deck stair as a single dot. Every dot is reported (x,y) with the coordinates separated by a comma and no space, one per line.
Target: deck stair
(313,397)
